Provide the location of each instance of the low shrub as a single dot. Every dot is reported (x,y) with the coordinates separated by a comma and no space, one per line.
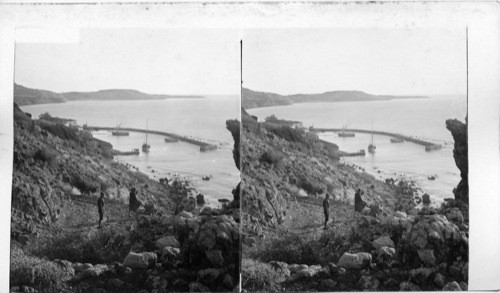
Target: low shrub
(309,186)
(46,155)
(60,130)
(83,185)
(290,248)
(33,271)
(104,247)
(285,132)
(272,157)
(259,276)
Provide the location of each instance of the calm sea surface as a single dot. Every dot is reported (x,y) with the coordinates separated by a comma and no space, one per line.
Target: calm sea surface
(423,118)
(204,119)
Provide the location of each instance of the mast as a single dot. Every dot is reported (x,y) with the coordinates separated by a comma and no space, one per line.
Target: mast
(146,131)
(372,131)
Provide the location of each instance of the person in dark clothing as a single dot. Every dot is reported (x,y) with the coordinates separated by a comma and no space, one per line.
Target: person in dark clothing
(133,202)
(359,203)
(326,208)
(100,208)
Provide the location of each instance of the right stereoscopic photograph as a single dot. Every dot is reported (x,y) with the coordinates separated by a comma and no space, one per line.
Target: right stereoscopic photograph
(354,160)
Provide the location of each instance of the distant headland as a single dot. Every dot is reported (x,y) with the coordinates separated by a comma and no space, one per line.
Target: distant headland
(28,96)
(252,99)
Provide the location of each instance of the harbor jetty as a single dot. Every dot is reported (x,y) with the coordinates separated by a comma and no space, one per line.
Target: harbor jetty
(204,146)
(429,146)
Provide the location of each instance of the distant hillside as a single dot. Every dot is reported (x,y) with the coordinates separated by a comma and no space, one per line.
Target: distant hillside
(117,94)
(27,96)
(251,99)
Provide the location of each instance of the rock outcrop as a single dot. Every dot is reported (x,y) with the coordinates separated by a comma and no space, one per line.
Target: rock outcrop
(461,155)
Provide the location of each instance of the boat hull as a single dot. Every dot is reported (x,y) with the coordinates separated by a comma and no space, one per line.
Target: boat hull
(433,147)
(171,139)
(397,140)
(119,133)
(346,134)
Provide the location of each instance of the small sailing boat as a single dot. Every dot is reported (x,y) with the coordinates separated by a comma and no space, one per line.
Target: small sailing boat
(145,145)
(371,146)
(118,132)
(343,133)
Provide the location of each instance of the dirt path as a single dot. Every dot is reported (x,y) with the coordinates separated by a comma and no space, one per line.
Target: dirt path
(80,214)
(306,217)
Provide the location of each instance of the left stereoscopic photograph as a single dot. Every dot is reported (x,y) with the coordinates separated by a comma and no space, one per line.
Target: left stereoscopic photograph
(126,162)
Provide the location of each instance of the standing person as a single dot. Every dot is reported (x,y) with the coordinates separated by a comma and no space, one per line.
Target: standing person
(100,208)
(359,203)
(133,202)
(326,208)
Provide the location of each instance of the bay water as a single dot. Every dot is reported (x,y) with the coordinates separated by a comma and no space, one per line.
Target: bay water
(423,118)
(204,119)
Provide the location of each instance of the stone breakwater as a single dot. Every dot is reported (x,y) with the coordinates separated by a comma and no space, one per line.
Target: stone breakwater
(204,146)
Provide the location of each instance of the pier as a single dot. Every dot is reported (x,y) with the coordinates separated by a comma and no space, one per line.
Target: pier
(429,146)
(204,146)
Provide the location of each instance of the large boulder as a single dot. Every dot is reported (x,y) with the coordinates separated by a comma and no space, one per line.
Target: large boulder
(215,257)
(382,241)
(306,272)
(430,240)
(209,276)
(167,241)
(140,260)
(198,287)
(452,286)
(357,260)
(427,256)
(67,269)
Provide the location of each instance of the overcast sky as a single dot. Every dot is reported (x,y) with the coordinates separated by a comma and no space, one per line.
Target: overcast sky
(180,61)
(377,61)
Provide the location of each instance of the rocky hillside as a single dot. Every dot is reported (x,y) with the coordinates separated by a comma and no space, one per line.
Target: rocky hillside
(52,162)
(392,245)
(174,243)
(281,164)
(253,99)
(27,96)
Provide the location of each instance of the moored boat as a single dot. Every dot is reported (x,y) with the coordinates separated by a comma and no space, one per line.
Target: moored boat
(171,139)
(145,145)
(343,133)
(346,134)
(371,146)
(397,140)
(433,147)
(359,153)
(119,132)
